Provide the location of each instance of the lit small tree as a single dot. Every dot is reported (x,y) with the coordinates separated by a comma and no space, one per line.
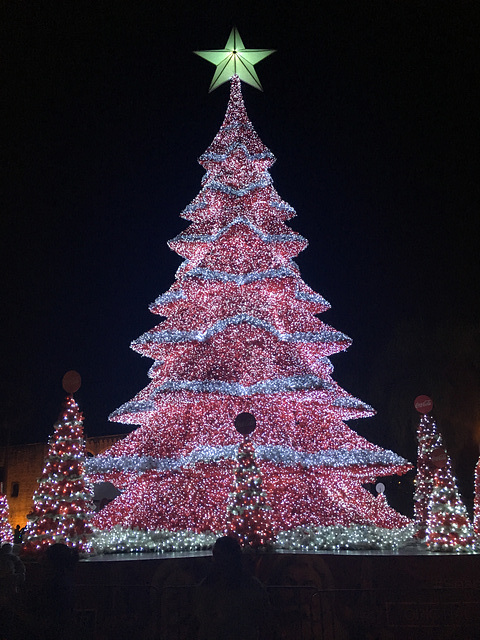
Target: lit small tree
(6,534)
(62,503)
(448,525)
(430,454)
(476,503)
(248,512)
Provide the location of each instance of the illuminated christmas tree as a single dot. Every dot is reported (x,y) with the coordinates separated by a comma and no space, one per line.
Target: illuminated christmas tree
(62,503)
(248,518)
(6,533)
(240,335)
(431,453)
(476,501)
(448,525)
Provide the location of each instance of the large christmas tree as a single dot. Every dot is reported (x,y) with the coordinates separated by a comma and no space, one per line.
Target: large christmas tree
(240,335)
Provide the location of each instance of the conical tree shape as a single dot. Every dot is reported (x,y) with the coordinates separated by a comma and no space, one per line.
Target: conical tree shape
(448,525)
(429,442)
(6,533)
(62,504)
(476,501)
(240,335)
(248,514)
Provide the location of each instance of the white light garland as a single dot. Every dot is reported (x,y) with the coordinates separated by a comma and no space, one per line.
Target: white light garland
(218,186)
(275,453)
(168,297)
(134,406)
(354,537)
(200,203)
(239,278)
(219,157)
(283,206)
(312,297)
(349,406)
(265,237)
(157,337)
(121,540)
(292,383)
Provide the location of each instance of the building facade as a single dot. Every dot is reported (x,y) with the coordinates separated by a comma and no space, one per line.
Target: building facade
(22,464)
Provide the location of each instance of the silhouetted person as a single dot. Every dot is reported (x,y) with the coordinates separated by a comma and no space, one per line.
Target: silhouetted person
(8,556)
(17,535)
(231,604)
(59,563)
(12,576)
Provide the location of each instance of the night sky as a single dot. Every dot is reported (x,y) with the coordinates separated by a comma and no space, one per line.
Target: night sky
(371,109)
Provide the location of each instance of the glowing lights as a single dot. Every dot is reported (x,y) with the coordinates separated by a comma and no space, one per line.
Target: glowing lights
(241,278)
(448,524)
(62,503)
(6,533)
(476,502)
(428,439)
(275,453)
(240,334)
(440,516)
(341,537)
(196,498)
(248,511)
(158,337)
(308,539)
(120,539)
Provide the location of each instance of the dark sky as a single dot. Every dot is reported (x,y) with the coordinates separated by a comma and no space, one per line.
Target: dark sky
(371,109)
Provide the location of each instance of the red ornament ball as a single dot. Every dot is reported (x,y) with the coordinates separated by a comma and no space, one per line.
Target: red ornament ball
(71,381)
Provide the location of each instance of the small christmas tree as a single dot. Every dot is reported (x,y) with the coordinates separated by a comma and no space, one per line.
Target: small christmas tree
(430,447)
(6,534)
(476,501)
(448,524)
(62,503)
(248,512)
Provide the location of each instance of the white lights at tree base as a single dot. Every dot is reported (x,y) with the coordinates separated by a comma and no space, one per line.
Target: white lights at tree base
(334,538)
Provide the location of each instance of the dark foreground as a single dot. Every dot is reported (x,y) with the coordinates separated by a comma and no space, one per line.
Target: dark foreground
(338,596)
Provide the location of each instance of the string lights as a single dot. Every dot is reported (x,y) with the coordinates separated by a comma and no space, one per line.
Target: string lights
(476,502)
(6,533)
(429,440)
(62,503)
(248,511)
(448,525)
(240,334)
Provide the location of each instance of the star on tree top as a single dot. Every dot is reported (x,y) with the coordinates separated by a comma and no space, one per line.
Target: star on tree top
(235,59)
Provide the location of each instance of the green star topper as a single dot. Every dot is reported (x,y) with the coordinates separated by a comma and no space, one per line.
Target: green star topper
(235,59)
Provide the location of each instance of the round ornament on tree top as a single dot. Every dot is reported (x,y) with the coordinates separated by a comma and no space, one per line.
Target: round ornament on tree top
(245,423)
(71,382)
(423,404)
(438,457)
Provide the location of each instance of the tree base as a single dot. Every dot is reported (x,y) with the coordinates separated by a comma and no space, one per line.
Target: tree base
(308,539)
